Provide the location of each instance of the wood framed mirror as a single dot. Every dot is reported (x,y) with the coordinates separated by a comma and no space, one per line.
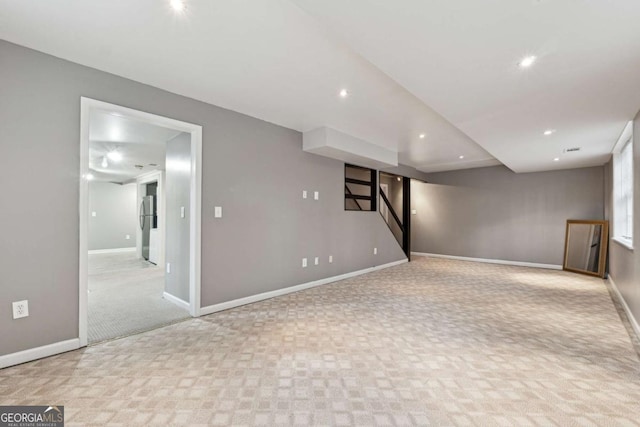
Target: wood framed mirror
(585,247)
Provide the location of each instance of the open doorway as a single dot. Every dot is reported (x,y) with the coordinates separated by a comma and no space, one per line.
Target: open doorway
(139,221)
(395,202)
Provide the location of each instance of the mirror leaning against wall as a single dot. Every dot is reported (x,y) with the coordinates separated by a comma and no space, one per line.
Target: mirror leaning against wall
(585,247)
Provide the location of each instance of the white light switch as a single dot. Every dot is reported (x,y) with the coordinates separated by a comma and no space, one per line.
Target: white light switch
(304,194)
(127,237)
(330,259)
(375,251)
(414,212)
(168,267)
(181,211)
(304,262)
(316,195)
(217,212)
(316,261)
(93,213)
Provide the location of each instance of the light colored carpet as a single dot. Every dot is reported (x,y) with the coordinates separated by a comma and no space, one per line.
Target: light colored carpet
(125,297)
(432,342)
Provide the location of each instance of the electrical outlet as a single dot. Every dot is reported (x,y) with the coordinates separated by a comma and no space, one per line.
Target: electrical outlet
(316,195)
(128,237)
(375,251)
(93,214)
(330,259)
(20,309)
(304,194)
(414,212)
(304,262)
(316,261)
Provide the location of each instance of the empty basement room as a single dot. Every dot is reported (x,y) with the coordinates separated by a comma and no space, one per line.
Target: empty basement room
(358,213)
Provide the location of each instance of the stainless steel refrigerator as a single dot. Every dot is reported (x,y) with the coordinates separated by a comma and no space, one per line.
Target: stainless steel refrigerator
(147,221)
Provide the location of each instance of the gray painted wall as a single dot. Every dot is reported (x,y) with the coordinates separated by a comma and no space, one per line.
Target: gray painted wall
(493,213)
(624,264)
(177,183)
(116,215)
(255,170)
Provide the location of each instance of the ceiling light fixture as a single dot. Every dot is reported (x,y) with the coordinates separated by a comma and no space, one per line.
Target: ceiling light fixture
(556,159)
(104,163)
(343,93)
(178,5)
(114,155)
(549,132)
(461,157)
(527,61)
(422,135)
(399,179)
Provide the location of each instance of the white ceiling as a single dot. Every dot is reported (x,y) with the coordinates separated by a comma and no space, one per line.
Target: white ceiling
(142,146)
(461,58)
(285,61)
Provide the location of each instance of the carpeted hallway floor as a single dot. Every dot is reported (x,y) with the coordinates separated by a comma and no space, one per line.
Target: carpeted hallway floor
(125,297)
(432,342)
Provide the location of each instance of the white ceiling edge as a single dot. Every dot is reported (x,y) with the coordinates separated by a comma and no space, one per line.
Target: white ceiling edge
(338,145)
(472,164)
(627,133)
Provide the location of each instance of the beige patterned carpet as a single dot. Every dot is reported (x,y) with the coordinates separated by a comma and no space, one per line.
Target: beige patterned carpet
(432,342)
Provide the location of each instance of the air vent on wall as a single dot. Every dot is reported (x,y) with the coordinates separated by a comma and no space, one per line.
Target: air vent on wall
(571,150)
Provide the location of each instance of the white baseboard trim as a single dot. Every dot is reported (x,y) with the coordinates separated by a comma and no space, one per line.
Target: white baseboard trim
(38,352)
(111,251)
(279,292)
(177,301)
(491,261)
(627,310)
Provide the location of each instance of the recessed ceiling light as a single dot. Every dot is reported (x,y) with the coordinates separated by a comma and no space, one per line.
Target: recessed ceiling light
(549,132)
(343,93)
(178,5)
(556,159)
(422,135)
(527,61)
(461,157)
(116,156)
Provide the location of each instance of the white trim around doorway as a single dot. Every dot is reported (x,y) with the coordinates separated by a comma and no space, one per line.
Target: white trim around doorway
(86,106)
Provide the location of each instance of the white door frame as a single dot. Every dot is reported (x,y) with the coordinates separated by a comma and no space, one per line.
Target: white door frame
(86,106)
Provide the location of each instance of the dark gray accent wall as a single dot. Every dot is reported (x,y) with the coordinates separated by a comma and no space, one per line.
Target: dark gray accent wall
(624,263)
(493,213)
(177,182)
(255,170)
(116,215)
